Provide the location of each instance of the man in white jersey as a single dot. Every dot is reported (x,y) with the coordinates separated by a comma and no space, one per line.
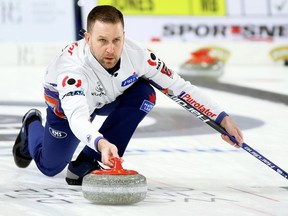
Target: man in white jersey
(103,74)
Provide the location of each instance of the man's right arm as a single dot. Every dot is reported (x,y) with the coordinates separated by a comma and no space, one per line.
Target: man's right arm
(72,91)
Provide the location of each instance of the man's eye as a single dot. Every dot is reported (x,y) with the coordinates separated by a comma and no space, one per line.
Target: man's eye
(116,40)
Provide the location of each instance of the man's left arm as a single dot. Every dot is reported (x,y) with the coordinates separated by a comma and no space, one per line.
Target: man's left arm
(159,73)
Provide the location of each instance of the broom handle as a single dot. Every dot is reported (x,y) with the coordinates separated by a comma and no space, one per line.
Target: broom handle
(217,127)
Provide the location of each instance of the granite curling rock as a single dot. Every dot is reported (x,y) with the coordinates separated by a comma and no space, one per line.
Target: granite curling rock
(116,186)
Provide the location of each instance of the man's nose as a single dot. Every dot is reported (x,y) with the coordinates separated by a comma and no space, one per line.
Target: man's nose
(110,48)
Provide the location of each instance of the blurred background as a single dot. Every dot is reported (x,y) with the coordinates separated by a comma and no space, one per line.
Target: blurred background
(219,39)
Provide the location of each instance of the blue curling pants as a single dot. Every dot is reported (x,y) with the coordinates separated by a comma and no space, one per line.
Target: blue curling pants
(52,154)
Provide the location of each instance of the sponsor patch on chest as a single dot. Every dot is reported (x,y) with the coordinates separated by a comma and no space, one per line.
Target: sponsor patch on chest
(131,79)
(99,90)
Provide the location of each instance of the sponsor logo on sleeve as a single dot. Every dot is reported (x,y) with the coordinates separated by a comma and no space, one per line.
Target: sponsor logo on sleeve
(74,93)
(156,62)
(165,70)
(187,97)
(71,83)
(152,60)
(71,48)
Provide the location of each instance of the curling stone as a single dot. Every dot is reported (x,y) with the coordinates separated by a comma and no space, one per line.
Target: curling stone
(116,186)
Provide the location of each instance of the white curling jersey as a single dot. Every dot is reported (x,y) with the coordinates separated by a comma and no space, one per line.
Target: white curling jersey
(76,84)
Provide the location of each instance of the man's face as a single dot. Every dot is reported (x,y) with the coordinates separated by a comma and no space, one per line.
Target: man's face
(106,42)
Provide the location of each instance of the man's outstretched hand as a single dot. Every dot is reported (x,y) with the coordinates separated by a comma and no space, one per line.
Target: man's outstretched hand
(228,124)
(108,151)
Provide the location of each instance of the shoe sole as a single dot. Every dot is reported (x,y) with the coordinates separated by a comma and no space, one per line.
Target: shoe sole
(73,181)
(22,161)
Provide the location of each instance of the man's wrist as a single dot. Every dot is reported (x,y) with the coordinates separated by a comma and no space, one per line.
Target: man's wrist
(96,143)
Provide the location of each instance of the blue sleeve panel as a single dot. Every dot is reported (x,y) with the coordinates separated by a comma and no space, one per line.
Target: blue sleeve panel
(220,117)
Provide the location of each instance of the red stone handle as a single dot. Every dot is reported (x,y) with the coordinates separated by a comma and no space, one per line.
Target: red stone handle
(116,170)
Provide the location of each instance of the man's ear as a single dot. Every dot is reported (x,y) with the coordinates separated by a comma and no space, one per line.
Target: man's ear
(87,37)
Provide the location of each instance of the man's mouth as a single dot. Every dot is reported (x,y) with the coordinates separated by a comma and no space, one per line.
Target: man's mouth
(109,58)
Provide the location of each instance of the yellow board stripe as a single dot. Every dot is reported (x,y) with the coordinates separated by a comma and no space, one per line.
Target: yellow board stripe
(169,8)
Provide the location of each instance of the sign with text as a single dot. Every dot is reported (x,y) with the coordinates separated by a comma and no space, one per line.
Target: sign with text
(171,8)
(37,21)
